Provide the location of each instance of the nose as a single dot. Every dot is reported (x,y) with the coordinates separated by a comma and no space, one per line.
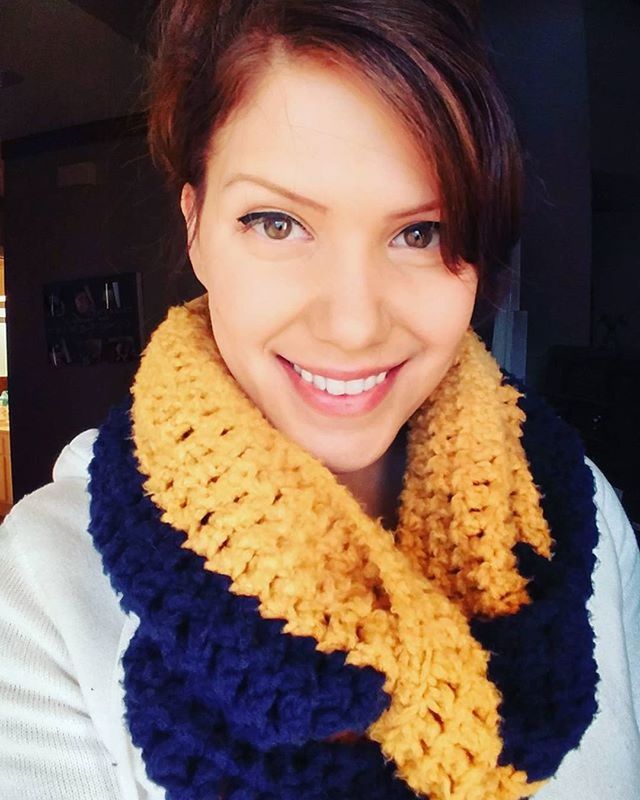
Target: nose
(351,310)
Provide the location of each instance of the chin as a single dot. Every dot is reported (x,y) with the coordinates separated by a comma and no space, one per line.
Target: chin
(343,466)
(347,456)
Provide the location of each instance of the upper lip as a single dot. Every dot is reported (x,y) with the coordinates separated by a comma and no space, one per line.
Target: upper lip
(346,374)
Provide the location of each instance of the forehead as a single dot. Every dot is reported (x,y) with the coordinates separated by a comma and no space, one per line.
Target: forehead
(314,126)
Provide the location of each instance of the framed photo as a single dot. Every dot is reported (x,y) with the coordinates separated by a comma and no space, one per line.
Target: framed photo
(93,320)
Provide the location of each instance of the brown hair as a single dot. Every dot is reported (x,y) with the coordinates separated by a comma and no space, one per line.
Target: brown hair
(426,58)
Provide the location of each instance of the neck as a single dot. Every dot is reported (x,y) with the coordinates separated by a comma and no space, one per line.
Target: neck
(377,486)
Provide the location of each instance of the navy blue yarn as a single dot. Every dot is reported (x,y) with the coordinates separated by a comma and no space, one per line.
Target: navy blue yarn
(542,657)
(218,698)
(200,651)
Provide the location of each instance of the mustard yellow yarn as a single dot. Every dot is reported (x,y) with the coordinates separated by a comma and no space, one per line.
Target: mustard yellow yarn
(261,510)
(469,496)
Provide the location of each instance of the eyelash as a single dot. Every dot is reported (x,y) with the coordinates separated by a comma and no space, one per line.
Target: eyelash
(252,220)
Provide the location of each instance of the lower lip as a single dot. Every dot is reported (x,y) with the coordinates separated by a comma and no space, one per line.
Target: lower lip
(343,405)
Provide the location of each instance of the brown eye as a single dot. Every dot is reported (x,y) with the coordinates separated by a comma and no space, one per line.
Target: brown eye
(421,235)
(275,226)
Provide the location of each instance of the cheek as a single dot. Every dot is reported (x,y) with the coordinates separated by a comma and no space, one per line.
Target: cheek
(247,310)
(252,299)
(232,296)
(439,308)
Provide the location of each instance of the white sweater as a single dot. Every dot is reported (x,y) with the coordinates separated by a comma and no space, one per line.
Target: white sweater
(63,633)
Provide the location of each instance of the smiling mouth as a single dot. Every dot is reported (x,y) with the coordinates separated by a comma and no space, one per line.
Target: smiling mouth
(338,387)
(342,382)
(338,397)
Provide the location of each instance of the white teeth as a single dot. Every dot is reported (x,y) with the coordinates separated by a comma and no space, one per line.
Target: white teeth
(354,387)
(319,382)
(335,387)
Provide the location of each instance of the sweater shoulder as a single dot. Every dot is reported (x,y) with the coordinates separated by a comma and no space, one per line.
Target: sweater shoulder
(64,630)
(45,533)
(45,543)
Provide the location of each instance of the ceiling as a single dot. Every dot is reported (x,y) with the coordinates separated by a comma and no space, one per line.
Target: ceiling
(81,60)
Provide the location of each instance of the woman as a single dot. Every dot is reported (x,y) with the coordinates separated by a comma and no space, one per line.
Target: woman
(327,550)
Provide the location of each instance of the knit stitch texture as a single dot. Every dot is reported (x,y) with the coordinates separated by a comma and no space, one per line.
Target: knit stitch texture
(276,615)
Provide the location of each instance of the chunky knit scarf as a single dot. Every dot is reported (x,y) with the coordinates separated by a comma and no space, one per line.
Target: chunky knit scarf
(290,647)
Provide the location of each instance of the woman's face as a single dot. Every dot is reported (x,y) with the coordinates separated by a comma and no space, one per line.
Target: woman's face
(318,245)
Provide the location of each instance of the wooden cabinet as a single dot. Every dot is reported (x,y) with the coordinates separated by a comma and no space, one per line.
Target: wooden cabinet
(6,489)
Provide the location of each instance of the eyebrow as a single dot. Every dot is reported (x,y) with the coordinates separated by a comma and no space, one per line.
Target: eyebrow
(306,201)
